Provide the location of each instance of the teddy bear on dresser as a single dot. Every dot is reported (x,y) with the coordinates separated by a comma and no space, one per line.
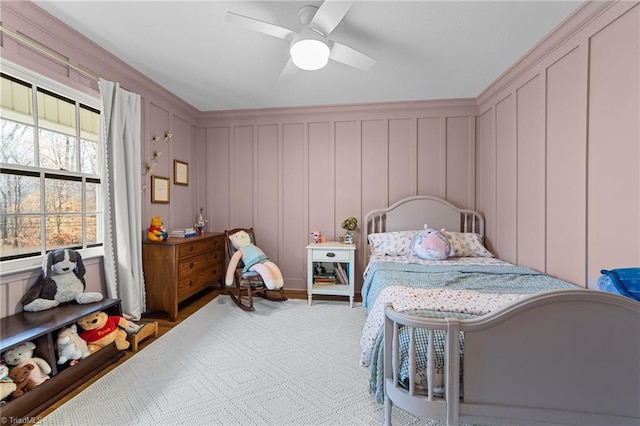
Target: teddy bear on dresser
(100,329)
(62,281)
(156,231)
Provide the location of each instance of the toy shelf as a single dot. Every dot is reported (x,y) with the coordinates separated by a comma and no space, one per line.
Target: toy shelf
(41,328)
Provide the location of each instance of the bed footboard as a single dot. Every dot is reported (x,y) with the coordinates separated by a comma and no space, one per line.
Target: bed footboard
(426,403)
(561,357)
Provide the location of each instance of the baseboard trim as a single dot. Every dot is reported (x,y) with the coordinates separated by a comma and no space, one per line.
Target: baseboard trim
(302,294)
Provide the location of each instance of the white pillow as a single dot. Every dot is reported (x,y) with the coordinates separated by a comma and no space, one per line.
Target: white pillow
(397,243)
(467,244)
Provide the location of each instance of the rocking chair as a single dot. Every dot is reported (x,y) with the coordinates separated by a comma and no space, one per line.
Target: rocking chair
(247,284)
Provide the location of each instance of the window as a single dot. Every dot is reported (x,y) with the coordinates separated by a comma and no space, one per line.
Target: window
(50,159)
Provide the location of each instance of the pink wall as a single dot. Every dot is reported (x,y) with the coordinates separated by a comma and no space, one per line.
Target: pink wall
(162,111)
(551,156)
(558,149)
(288,172)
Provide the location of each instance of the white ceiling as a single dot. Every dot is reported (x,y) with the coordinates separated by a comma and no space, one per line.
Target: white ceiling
(424,49)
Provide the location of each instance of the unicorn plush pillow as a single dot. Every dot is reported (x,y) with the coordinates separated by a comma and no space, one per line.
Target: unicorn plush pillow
(431,244)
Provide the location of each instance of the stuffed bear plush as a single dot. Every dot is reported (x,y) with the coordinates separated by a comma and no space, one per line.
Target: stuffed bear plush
(22,355)
(101,329)
(62,281)
(21,376)
(431,244)
(70,346)
(7,385)
(254,259)
(156,231)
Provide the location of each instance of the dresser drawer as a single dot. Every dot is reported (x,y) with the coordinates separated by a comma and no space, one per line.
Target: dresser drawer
(328,255)
(196,247)
(194,283)
(193,265)
(218,271)
(199,279)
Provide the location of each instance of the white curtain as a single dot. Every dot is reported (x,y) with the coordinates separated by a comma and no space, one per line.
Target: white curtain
(121,177)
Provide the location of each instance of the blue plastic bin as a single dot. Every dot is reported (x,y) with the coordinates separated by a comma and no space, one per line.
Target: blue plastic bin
(622,281)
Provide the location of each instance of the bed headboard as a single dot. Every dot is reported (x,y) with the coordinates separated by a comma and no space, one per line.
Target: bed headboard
(413,213)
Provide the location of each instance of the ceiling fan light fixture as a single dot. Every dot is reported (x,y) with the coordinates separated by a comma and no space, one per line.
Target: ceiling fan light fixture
(310,55)
(309,51)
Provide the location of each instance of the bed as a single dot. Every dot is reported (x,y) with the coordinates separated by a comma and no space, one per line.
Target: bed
(473,339)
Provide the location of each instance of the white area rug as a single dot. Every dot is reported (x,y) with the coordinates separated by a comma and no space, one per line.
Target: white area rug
(287,363)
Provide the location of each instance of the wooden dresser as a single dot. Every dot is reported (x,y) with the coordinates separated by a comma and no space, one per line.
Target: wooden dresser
(178,268)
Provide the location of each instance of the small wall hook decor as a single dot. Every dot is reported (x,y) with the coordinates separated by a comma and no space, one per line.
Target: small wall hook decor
(151,165)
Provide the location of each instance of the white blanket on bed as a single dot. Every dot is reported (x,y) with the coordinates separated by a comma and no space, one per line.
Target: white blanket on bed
(442,300)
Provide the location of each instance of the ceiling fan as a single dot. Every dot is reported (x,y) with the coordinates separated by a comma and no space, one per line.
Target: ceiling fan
(310,48)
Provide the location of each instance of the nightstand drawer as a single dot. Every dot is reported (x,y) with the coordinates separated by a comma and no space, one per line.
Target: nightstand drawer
(328,255)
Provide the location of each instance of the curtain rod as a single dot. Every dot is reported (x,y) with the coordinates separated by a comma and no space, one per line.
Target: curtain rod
(47,52)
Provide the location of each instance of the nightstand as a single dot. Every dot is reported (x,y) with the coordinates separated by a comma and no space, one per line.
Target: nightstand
(331,269)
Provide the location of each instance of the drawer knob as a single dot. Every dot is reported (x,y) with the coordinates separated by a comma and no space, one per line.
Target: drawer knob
(190,283)
(190,248)
(331,254)
(191,265)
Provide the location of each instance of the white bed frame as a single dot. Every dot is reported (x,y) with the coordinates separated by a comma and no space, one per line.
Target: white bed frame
(569,357)
(413,213)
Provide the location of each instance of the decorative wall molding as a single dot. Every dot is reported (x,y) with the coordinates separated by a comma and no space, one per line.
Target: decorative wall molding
(435,108)
(571,26)
(575,115)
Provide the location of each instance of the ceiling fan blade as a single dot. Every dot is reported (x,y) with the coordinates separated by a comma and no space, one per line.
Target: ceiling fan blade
(289,70)
(260,26)
(351,57)
(329,15)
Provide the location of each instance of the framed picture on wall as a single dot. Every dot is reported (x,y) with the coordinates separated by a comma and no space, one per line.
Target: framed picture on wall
(180,172)
(159,190)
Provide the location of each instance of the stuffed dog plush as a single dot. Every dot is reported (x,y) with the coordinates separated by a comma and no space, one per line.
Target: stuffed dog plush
(62,281)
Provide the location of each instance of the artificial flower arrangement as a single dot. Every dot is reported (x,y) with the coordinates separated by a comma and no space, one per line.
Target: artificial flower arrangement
(350,224)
